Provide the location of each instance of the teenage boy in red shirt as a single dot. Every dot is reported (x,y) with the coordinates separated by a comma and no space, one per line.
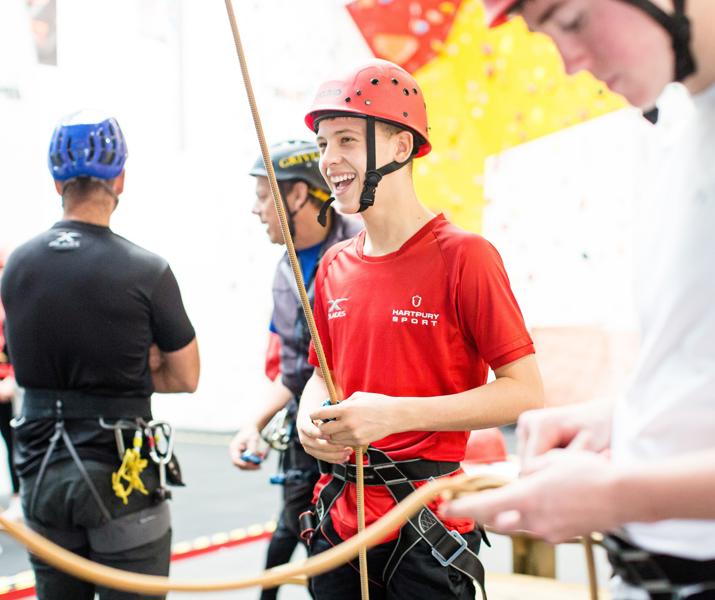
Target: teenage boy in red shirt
(412,313)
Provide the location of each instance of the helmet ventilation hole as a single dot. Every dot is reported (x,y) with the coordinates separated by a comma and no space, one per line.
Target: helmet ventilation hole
(374,81)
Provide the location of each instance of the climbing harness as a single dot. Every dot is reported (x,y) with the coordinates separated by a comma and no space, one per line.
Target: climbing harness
(448,547)
(660,575)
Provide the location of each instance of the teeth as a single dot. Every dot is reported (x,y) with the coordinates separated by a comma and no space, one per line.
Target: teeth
(339,178)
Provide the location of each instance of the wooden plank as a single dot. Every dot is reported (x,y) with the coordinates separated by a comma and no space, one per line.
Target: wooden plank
(532,556)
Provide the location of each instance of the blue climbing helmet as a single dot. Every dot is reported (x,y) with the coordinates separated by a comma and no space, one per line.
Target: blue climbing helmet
(87,144)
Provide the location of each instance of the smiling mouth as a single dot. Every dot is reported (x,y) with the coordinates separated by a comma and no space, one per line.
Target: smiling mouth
(341,183)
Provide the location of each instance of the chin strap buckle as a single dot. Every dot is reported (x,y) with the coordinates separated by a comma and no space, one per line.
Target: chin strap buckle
(367,198)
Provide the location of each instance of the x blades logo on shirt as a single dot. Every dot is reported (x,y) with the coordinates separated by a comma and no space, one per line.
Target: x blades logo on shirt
(65,240)
(335,310)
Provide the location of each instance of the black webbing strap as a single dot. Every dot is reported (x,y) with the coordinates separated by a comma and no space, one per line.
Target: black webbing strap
(71,404)
(413,470)
(59,426)
(662,577)
(448,547)
(677,24)
(61,432)
(373,175)
(327,497)
(83,471)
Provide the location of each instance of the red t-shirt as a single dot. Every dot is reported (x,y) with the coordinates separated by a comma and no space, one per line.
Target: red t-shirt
(426,320)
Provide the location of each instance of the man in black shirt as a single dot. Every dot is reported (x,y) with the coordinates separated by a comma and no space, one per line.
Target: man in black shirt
(86,313)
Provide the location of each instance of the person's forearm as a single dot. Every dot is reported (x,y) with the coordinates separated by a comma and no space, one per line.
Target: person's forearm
(676,488)
(277,398)
(497,403)
(314,394)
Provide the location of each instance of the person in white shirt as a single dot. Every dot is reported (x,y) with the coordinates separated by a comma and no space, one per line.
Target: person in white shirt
(642,468)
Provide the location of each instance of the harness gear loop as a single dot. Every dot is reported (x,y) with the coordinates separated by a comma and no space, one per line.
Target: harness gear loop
(130,471)
(293,258)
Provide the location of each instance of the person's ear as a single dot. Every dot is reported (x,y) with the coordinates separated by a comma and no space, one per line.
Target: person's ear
(298,196)
(118,185)
(404,143)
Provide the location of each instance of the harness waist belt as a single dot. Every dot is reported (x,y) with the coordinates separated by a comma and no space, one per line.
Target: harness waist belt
(661,575)
(71,404)
(391,473)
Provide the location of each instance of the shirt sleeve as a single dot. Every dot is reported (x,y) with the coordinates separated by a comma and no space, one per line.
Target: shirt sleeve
(321,319)
(171,327)
(487,308)
(273,356)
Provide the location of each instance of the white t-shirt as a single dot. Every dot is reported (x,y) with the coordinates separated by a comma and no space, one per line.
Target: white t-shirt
(670,408)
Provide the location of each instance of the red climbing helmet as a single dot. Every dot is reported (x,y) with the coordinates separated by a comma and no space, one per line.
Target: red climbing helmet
(378,89)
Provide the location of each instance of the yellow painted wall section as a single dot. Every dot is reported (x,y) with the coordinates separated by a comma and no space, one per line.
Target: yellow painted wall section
(489,90)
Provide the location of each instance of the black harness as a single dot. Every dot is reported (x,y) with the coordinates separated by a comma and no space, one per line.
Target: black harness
(61,405)
(662,576)
(448,547)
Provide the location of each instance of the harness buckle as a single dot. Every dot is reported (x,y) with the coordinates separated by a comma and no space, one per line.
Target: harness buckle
(340,471)
(394,478)
(446,562)
(637,566)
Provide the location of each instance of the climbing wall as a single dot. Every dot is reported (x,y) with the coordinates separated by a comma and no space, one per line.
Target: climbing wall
(486,90)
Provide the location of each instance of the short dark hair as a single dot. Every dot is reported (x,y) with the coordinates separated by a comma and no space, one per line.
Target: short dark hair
(393,129)
(82,186)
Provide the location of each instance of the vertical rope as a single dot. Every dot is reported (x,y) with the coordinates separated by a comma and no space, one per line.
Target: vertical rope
(591,566)
(360,493)
(280,209)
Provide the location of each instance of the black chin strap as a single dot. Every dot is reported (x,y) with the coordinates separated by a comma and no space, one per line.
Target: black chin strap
(373,175)
(678,26)
(323,214)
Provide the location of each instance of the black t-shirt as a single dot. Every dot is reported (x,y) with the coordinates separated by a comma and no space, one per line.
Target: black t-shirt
(82,306)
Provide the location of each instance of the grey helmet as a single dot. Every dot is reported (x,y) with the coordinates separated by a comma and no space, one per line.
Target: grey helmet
(295,160)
